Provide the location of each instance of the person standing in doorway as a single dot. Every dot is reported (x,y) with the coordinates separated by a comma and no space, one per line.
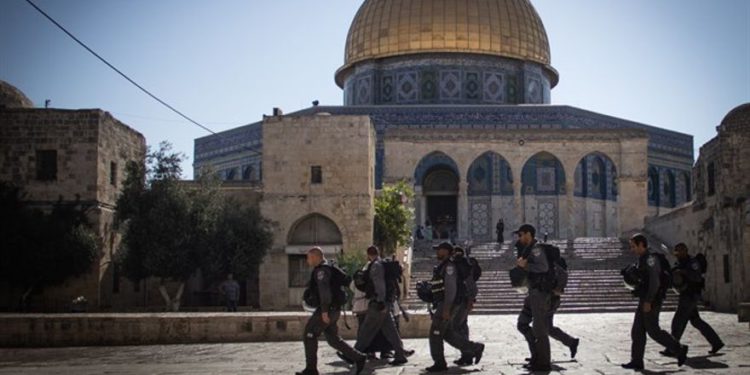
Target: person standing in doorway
(499,229)
(231,291)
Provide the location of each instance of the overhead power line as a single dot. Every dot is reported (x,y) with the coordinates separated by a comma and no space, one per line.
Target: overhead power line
(117,70)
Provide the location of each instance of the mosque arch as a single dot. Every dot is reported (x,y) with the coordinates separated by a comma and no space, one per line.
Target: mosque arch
(490,194)
(669,189)
(438,177)
(685,187)
(654,180)
(490,174)
(595,177)
(594,210)
(543,192)
(314,230)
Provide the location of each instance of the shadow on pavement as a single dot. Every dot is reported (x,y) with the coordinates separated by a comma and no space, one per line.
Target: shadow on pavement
(704,363)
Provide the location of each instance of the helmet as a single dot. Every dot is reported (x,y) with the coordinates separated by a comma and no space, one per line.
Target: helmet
(360,280)
(631,276)
(424,291)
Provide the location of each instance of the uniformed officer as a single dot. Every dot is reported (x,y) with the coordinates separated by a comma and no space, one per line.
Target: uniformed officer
(651,294)
(537,305)
(324,319)
(447,304)
(525,319)
(379,316)
(461,320)
(687,309)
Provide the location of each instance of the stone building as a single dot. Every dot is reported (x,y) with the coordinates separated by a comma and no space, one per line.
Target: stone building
(457,95)
(69,154)
(717,222)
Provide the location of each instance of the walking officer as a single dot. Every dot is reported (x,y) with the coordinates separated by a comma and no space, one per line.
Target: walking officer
(323,292)
(538,303)
(379,313)
(461,259)
(690,271)
(651,292)
(447,303)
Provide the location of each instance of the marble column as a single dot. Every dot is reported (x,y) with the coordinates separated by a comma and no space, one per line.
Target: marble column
(570,233)
(463,210)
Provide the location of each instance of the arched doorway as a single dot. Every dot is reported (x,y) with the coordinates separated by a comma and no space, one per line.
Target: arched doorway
(311,230)
(437,183)
(543,185)
(490,193)
(595,196)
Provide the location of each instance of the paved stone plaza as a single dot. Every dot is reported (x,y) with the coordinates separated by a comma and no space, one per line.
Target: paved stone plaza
(605,343)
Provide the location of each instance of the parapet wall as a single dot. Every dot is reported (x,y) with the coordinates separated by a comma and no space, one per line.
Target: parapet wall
(50,330)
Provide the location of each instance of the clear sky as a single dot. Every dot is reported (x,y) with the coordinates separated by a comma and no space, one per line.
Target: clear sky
(676,64)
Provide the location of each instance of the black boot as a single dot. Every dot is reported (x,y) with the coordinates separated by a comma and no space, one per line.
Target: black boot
(437,367)
(632,366)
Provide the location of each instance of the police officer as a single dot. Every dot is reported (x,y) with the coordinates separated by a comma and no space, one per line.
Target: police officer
(651,294)
(525,319)
(447,304)
(687,309)
(379,316)
(324,319)
(461,320)
(537,305)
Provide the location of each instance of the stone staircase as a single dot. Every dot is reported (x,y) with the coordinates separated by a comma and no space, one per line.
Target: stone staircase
(594,284)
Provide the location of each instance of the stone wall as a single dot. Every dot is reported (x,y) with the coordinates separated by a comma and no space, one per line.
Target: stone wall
(37,330)
(344,147)
(717,223)
(92,151)
(404,149)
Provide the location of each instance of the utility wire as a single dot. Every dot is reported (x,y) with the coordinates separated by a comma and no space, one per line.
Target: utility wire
(117,70)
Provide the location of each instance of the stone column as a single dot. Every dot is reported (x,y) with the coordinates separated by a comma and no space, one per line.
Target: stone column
(419,206)
(570,233)
(518,210)
(463,210)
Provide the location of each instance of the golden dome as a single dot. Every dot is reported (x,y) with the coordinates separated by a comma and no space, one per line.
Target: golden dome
(506,28)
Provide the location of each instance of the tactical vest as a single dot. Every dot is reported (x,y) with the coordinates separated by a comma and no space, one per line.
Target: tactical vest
(691,265)
(664,279)
(438,283)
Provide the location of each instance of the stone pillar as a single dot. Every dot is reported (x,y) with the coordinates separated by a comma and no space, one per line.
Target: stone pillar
(419,206)
(518,210)
(463,210)
(570,233)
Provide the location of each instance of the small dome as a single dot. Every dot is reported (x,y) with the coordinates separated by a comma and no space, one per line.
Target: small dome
(738,116)
(12,97)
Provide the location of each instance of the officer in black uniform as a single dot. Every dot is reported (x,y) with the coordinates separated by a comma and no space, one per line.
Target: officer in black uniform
(461,320)
(537,305)
(651,294)
(690,272)
(324,319)
(447,303)
(379,316)
(525,319)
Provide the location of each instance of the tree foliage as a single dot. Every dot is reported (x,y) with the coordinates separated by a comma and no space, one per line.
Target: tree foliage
(40,249)
(393,217)
(171,229)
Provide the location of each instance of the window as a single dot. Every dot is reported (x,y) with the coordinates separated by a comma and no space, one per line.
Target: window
(113,174)
(316,174)
(711,179)
(299,273)
(46,165)
(727,273)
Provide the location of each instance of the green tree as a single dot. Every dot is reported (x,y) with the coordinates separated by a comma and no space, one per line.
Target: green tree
(171,228)
(164,222)
(237,243)
(393,217)
(40,249)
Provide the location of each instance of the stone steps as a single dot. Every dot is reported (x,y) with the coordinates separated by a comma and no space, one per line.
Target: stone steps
(594,284)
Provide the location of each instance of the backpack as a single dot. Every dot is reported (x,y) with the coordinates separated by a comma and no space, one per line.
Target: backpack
(665,278)
(557,278)
(340,282)
(393,273)
(468,266)
(701,259)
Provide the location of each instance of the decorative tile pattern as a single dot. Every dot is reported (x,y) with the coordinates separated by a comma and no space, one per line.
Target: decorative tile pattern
(480,217)
(472,86)
(386,89)
(494,88)
(548,213)
(408,89)
(450,85)
(364,90)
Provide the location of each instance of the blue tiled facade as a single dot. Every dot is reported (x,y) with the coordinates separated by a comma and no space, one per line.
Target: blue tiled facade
(241,146)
